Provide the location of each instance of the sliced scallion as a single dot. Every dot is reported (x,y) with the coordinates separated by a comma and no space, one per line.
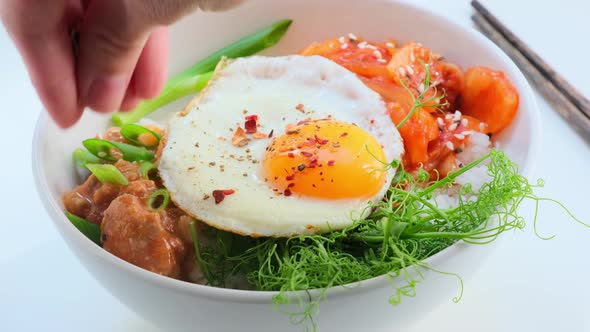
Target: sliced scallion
(107,173)
(159,200)
(103,149)
(89,229)
(196,77)
(140,135)
(146,169)
(82,157)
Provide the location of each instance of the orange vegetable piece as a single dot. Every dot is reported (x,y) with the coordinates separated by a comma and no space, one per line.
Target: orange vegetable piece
(322,48)
(489,96)
(365,61)
(407,65)
(420,129)
(450,82)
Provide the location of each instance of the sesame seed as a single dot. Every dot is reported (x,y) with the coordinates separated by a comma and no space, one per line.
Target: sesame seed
(352,36)
(381,60)
(420,88)
(482,126)
(412,57)
(440,121)
(459,136)
(377,54)
(467,132)
(410,70)
(450,145)
(342,40)
(373,47)
(464,122)
(457,115)
(389,44)
(453,126)
(344,46)
(448,116)
(402,71)
(362,44)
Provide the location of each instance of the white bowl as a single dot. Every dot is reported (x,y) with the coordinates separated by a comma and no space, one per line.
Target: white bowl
(177,305)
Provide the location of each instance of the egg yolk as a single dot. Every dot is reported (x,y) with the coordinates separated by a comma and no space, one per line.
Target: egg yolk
(325,159)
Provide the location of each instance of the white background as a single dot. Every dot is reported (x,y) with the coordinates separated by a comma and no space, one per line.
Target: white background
(526,285)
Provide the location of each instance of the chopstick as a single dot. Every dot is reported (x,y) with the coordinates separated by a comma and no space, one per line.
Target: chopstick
(570,103)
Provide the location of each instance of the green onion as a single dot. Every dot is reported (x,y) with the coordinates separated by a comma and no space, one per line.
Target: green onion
(132,131)
(145,169)
(196,77)
(82,157)
(89,229)
(159,200)
(103,149)
(171,92)
(107,173)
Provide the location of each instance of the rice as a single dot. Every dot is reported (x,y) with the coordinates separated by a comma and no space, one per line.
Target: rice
(476,147)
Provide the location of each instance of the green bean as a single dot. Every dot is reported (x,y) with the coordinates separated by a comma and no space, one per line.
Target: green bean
(103,149)
(196,77)
(82,157)
(107,173)
(89,229)
(132,131)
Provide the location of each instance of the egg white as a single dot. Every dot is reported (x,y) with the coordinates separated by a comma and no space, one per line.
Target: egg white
(199,158)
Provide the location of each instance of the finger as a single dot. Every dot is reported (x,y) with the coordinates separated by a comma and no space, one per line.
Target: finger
(129,102)
(150,73)
(47,52)
(110,44)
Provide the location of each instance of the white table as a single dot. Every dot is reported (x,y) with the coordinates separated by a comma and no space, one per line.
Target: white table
(526,285)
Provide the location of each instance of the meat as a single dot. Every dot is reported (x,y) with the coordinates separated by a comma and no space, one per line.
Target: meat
(133,233)
(155,241)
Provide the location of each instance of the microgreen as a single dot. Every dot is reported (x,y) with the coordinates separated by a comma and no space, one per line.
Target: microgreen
(403,230)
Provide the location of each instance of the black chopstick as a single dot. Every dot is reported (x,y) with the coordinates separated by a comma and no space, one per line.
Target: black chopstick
(571,104)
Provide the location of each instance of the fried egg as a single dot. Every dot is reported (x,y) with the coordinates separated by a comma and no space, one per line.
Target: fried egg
(280,146)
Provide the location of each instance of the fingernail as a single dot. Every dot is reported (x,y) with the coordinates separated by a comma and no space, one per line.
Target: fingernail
(105,94)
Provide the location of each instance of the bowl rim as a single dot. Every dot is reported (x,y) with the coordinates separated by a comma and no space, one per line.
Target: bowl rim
(79,241)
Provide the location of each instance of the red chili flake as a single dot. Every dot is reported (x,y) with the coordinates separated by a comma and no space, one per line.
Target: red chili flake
(313,163)
(250,124)
(306,154)
(287,192)
(343,134)
(331,162)
(299,107)
(302,122)
(372,121)
(219,195)
(291,185)
(270,134)
(291,155)
(320,141)
(290,177)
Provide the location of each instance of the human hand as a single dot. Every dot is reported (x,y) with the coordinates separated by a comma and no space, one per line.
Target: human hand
(121,55)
